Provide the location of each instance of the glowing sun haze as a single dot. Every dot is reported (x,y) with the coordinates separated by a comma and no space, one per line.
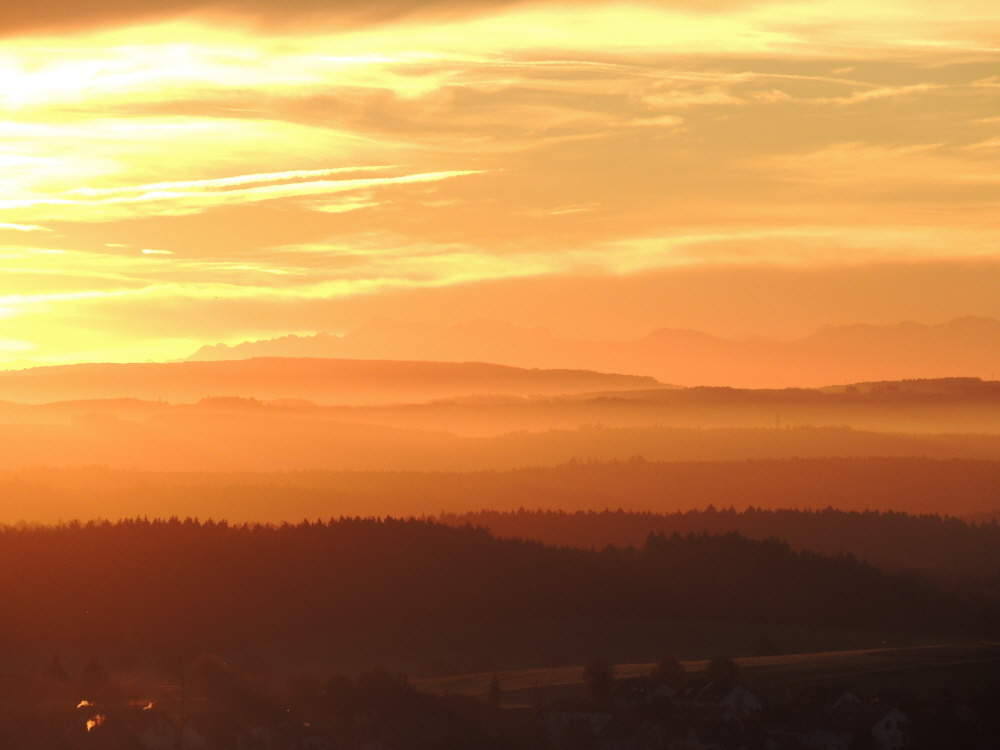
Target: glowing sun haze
(221,173)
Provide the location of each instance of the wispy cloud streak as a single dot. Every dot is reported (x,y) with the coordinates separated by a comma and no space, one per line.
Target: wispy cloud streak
(173,201)
(221,182)
(263,165)
(24,227)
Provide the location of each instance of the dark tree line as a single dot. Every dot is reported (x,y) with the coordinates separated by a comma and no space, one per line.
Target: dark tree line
(212,584)
(917,486)
(946,549)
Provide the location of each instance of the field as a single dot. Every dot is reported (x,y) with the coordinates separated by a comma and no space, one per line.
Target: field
(450,658)
(924,670)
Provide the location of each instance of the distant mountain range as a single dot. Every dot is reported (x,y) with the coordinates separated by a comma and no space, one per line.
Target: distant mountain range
(325,381)
(967,346)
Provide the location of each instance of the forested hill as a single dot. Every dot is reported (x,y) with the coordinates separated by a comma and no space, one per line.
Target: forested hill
(209,585)
(948,550)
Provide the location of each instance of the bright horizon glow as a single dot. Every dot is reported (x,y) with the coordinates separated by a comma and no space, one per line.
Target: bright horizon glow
(168,183)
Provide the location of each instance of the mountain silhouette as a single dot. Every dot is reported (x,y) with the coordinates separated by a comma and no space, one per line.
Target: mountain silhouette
(327,381)
(967,346)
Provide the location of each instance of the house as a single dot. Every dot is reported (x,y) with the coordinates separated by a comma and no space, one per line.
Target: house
(285,735)
(830,718)
(739,699)
(823,717)
(216,731)
(820,735)
(312,741)
(260,737)
(155,730)
(567,721)
(887,720)
(640,691)
(888,726)
(822,700)
(624,732)
(711,735)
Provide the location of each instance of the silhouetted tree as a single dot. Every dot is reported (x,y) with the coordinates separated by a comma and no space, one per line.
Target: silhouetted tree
(494,695)
(56,671)
(723,669)
(380,689)
(340,693)
(211,677)
(96,684)
(303,687)
(670,671)
(537,696)
(229,691)
(94,674)
(599,682)
(340,701)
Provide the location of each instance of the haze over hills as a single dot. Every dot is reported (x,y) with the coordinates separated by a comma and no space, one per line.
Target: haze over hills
(968,346)
(195,439)
(347,381)
(955,405)
(950,418)
(955,487)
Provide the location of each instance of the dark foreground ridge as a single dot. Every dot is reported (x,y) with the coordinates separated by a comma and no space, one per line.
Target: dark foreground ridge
(948,550)
(211,585)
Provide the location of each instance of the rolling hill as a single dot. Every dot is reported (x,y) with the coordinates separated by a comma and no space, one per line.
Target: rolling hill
(967,346)
(328,381)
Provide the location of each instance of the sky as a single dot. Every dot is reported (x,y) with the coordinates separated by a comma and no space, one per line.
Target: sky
(185,172)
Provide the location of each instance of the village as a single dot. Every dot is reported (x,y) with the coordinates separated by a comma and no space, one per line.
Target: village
(666,710)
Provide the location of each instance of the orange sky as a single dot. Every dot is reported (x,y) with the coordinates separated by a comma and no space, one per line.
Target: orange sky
(602,169)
